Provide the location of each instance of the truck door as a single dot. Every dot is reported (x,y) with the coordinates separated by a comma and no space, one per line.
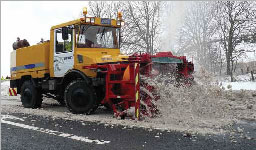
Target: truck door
(63,51)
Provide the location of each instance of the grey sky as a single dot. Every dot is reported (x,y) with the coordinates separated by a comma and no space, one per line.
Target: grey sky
(32,21)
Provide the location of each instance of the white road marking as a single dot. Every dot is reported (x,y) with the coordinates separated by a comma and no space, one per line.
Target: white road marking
(48,131)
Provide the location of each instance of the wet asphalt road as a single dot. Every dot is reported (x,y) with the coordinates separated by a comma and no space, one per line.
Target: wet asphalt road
(22,134)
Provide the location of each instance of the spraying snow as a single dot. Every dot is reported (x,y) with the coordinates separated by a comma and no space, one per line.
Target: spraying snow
(173,18)
(203,107)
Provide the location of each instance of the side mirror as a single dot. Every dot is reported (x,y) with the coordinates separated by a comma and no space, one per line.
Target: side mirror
(65,33)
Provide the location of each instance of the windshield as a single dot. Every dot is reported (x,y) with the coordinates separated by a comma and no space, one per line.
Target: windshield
(98,37)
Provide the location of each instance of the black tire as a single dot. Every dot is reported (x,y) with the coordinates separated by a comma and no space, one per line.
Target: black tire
(31,97)
(80,97)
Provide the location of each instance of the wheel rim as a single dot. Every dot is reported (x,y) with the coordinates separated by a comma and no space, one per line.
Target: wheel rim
(79,97)
(27,96)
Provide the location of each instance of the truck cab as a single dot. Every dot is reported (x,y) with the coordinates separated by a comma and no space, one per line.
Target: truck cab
(82,42)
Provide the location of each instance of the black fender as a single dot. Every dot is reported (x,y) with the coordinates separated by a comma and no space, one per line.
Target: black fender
(74,75)
(18,83)
(70,76)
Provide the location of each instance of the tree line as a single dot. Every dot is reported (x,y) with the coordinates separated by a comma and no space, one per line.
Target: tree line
(213,30)
(210,31)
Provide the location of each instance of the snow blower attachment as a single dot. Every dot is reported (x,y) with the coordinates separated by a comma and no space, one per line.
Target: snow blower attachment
(148,93)
(122,87)
(174,66)
(126,88)
(165,63)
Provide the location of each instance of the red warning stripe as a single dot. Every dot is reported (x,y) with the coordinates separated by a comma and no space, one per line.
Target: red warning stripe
(12,91)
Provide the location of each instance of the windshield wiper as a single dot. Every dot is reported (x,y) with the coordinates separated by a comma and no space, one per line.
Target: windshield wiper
(83,31)
(102,33)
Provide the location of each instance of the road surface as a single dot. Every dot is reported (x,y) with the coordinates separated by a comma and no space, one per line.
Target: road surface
(29,132)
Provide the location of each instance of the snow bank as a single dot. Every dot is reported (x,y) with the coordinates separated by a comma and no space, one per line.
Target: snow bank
(4,88)
(239,85)
(237,78)
(243,82)
(245,77)
(250,53)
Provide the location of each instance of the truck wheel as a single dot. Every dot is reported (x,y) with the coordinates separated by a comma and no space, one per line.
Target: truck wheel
(79,97)
(30,96)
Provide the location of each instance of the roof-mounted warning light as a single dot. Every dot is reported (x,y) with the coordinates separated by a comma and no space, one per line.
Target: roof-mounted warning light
(85,11)
(120,21)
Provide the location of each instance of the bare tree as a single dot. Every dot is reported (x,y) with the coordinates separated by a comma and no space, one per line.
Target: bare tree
(104,9)
(97,9)
(197,32)
(142,27)
(232,19)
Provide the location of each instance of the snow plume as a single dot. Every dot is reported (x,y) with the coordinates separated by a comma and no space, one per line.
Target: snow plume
(172,19)
(203,107)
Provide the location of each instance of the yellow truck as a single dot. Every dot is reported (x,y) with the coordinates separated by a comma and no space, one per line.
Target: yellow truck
(81,66)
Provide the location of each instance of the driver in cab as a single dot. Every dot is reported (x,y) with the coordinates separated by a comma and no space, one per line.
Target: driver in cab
(91,40)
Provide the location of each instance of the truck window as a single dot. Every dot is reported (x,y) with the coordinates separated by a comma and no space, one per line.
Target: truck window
(98,37)
(63,46)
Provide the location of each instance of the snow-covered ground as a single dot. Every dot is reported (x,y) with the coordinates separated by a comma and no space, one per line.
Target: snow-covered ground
(4,88)
(250,52)
(202,108)
(242,82)
(239,85)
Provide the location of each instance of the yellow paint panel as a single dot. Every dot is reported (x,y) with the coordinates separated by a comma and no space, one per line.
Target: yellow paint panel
(33,73)
(51,57)
(33,54)
(40,73)
(94,56)
(99,55)
(97,20)
(36,54)
(88,72)
(113,22)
